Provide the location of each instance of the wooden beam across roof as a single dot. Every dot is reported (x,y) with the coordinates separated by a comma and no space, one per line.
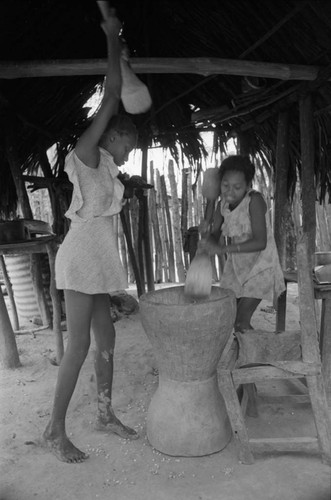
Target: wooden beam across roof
(201,65)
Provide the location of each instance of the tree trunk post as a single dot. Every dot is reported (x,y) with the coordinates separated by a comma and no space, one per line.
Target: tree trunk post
(281,206)
(308,188)
(8,348)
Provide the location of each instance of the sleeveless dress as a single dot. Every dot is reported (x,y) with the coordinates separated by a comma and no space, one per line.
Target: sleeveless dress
(252,274)
(88,260)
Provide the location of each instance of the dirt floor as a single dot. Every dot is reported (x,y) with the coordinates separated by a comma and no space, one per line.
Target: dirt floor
(132,470)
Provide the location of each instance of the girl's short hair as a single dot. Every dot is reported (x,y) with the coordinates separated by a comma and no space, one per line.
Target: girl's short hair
(238,163)
(122,124)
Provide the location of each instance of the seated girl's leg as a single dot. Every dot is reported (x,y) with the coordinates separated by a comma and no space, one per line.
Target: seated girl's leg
(246,307)
(78,314)
(104,332)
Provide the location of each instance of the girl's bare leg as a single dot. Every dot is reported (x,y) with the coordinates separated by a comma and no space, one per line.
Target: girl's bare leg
(78,313)
(104,332)
(246,307)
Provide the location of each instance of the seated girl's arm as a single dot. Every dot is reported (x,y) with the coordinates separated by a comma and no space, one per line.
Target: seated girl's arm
(87,146)
(258,242)
(211,240)
(217,225)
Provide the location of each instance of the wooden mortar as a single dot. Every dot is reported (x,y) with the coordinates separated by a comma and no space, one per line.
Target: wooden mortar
(187,416)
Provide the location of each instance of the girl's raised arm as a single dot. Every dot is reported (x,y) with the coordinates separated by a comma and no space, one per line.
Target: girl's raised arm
(87,146)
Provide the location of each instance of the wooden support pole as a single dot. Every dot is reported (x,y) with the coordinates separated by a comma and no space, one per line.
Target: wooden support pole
(158,255)
(281,206)
(178,245)
(199,65)
(8,348)
(308,189)
(143,202)
(10,292)
(124,214)
(168,229)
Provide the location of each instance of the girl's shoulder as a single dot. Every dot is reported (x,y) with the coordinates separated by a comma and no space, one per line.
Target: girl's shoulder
(256,196)
(257,200)
(253,193)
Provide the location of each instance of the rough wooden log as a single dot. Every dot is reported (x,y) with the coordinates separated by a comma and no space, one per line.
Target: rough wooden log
(308,189)
(125,219)
(176,223)
(168,228)
(163,228)
(10,292)
(143,201)
(199,65)
(281,189)
(8,348)
(158,256)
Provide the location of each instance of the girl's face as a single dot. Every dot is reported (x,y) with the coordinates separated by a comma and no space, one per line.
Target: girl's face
(233,187)
(120,146)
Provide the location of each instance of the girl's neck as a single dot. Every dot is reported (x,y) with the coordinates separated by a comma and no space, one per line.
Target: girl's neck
(232,206)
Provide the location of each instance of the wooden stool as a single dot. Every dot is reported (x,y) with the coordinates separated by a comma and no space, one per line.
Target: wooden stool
(259,355)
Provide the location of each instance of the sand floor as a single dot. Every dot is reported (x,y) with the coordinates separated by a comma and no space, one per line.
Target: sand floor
(118,469)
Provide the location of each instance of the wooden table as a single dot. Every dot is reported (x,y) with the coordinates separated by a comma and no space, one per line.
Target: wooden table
(322,292)
(42,244)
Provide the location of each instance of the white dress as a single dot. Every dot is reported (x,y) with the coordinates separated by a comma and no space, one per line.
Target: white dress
(252,274)
(88,260)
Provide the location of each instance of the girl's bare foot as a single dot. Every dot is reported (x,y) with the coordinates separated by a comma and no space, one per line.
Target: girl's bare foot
(112,424)
(63,448)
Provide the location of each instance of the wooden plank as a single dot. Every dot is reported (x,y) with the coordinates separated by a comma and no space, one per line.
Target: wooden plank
(236,417)
(308,190)
(286,399)
(256,373)
(321,415)
(200,65)
(325,341)
(307,444)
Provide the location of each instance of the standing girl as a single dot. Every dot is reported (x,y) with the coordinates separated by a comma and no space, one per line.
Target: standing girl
(252,269)
(88,265)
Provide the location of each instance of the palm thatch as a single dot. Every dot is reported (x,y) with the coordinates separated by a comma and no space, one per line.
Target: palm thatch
(37,112)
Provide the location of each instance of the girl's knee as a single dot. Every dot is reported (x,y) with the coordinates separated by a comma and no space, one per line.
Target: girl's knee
(79,349)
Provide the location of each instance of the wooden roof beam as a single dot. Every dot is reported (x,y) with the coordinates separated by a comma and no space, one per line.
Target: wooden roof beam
(201,65)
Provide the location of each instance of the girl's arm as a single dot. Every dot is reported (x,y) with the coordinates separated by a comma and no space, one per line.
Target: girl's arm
(258,241)
(87,146)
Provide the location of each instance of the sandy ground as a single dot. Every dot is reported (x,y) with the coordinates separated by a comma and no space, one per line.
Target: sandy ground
(132,470)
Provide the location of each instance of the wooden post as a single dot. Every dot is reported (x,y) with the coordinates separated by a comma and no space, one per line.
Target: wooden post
(176,223)
(8,348)
(168,228)
(183,224)
(125,219)
(163,227)
(123,250)
(281,205)
(190,221)
(308,189)
(10,292)
(158,258)
(143,201)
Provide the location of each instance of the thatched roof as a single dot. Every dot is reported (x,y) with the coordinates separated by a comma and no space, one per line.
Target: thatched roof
(293,36)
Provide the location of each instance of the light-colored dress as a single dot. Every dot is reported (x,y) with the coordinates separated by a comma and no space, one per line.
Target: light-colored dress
(88,260)
(251,274)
